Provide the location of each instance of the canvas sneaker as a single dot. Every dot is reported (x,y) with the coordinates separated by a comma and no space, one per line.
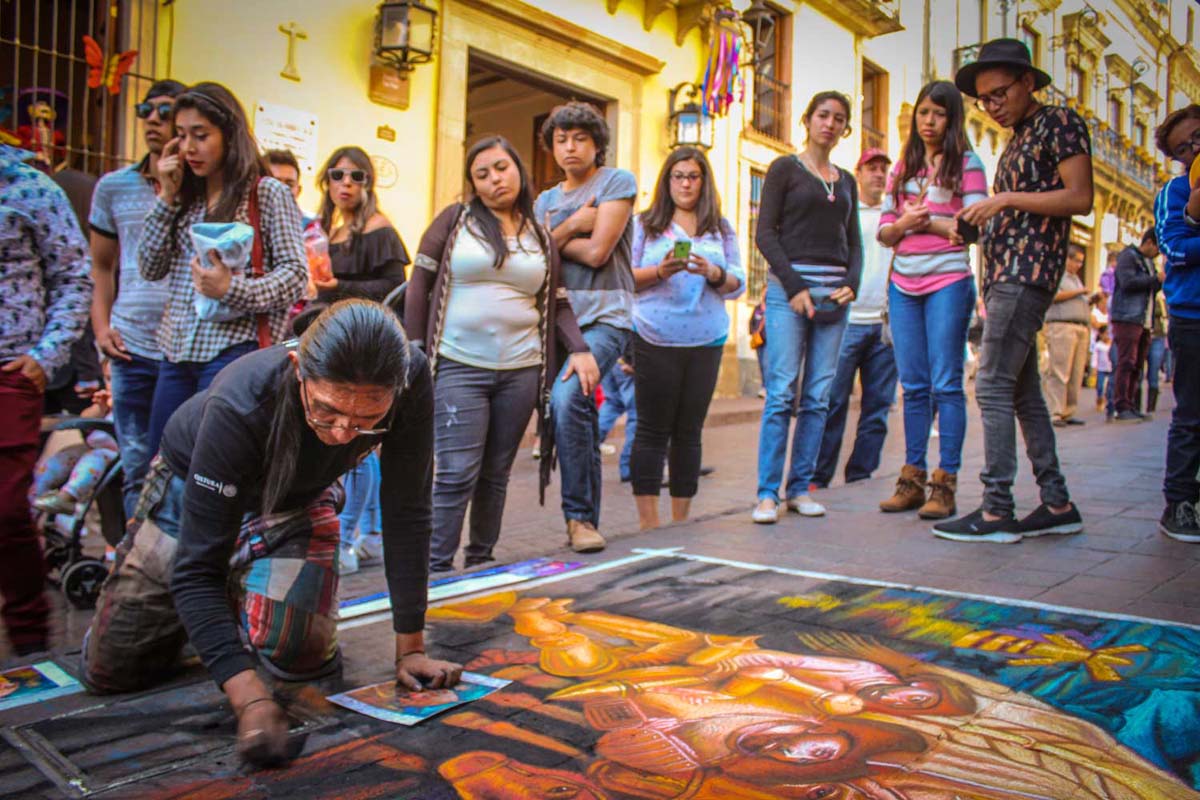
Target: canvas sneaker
(766,512)
(974,528)
(347,560)
(1042,522)
(1179,521)
(369,549)
(805,506)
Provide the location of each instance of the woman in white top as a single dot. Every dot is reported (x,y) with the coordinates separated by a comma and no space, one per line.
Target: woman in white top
(486,304)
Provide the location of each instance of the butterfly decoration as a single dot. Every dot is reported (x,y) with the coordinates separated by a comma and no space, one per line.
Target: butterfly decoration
(106,72)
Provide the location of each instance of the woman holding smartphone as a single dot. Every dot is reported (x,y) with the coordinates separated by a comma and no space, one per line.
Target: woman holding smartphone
(808,231)
(686,264)
(932,292)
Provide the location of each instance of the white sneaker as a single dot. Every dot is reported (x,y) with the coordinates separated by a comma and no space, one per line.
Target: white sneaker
(805,506)
(347,560)
(369,549)
(607,449)
(766,512)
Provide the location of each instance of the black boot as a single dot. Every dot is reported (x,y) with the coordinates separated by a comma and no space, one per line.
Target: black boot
(1152,401)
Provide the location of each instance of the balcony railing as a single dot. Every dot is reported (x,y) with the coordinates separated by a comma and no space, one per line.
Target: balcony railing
(1111,149)
(771,107)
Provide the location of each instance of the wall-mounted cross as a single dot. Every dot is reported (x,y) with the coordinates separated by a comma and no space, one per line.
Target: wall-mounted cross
(293,33)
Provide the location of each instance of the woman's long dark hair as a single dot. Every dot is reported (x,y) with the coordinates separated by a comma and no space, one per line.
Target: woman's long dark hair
(657,218)
(369,205)
(954,143)
(241,166)
(484,221)
(355,342)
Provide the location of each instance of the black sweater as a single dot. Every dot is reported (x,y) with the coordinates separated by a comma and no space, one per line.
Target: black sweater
(367,265)
(798,225)
(217,441)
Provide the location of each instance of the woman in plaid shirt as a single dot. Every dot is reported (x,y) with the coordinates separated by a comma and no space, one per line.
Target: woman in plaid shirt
(208,173)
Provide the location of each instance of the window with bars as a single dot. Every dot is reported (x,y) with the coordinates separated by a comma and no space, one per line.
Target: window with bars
(772,90)
(1116,114)
(756,271)
(46,104)
(874,106)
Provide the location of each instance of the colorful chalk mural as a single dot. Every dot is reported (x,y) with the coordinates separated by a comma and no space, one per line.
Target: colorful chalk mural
(701,683)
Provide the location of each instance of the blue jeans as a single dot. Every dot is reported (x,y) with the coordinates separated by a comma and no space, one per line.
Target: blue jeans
(177,382)
(133,383)
(863,351)
(1110,407)
(930,332)
(618,400)
(1154,360)
(1102,383)
(796,343)
(361,514)
(577,429)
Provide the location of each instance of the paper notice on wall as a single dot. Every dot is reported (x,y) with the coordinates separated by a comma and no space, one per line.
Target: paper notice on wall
(282,128)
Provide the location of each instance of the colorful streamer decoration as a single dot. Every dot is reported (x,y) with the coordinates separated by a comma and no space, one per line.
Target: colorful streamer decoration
(723,78)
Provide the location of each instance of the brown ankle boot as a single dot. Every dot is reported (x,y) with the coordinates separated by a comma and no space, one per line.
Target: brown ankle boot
(910,491)
(940,505)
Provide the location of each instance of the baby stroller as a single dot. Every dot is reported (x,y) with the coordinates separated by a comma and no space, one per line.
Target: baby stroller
(80,576)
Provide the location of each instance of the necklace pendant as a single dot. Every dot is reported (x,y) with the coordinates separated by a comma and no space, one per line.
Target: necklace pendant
(831,197)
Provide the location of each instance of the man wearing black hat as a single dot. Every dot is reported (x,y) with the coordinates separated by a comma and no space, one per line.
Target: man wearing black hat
(126,326)
(1044,178)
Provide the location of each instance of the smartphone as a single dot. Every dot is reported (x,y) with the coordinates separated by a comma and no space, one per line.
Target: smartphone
(683,249)
(968,232)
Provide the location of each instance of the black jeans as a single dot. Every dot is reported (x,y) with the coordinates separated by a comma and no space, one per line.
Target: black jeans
(479,418)
(1008,383)
(673,387)
(1183,439)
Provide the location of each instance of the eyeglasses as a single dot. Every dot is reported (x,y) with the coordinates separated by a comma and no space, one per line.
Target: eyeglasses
(686,177)
(1186,149)
(144,110)
(996,98)
(322,425)
(356,175)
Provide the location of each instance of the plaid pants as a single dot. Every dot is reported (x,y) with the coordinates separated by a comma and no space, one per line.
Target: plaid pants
(282,585)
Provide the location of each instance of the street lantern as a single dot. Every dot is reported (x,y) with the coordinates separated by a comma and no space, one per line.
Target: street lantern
(404,34)
(761,20)
(689,125)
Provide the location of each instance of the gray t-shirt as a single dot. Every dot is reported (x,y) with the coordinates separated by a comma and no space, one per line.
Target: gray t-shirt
(604,294)
(1073,310)
(119,207)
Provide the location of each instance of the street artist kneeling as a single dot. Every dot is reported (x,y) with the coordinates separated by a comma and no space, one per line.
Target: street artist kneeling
(234,543)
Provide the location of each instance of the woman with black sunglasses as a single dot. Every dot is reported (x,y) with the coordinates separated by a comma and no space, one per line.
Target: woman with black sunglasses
(242,504)
(366,253)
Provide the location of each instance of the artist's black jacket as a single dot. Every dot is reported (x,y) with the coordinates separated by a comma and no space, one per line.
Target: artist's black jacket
(217,442)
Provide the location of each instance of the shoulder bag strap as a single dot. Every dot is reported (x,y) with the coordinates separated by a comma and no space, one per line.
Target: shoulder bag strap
(256,263)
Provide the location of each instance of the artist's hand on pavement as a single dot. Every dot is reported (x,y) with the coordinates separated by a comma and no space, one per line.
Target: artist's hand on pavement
(415,671)
(31,369)
(262,737)
(212,281)
(802,304)
(979,213)
(168,171)
(111,344)
(842,295)
(584,365)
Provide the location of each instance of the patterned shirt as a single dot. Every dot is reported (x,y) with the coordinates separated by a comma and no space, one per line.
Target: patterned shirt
(119,207)
(1019,247)
(185,337)
(45,270)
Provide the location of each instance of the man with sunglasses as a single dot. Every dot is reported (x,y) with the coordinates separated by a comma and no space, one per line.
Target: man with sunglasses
(234,544)
(126,321)
(1044,178)
(1177,223)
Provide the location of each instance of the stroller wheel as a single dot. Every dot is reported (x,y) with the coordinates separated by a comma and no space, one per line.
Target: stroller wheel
(81,582)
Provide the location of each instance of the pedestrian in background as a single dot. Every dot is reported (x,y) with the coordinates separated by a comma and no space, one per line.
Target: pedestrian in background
(1067,343)
(1131,315)
(866,350)
(212,172)
(487,304)
(1177,223)
(932,293)
(1156,355)
(126,308)
(686,264)
(619,394)
(1044,178)
(589,218)
(809,233)
(1102,363)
